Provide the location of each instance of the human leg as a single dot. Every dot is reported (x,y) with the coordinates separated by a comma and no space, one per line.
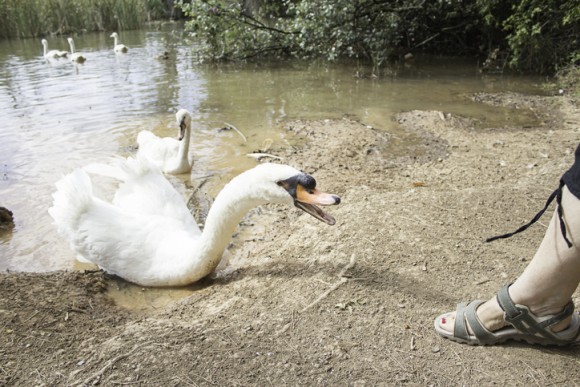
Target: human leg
(548,282)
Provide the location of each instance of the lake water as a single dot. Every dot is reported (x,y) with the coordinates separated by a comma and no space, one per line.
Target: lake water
(59,116)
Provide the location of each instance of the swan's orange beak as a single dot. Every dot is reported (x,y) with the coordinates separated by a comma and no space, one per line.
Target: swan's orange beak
(302,188)
(308,200)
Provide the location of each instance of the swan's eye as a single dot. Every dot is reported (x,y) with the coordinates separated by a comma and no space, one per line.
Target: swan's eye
(288,185)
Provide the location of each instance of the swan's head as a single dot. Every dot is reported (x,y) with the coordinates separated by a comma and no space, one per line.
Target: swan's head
(70,40)
(44,42)
(277,183)
(183,118)
(114,35)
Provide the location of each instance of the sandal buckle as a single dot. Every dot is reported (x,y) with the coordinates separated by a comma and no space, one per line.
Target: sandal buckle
(521,313)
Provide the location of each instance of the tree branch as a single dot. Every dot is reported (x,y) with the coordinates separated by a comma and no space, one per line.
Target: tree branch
(255,23)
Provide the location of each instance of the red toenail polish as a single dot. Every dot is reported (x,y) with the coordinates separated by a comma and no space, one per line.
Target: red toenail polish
(443,320)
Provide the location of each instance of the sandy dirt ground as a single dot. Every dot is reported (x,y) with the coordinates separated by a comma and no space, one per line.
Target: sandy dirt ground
(303,303)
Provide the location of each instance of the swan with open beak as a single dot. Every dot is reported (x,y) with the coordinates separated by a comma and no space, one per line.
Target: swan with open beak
(147,235)
(303,190)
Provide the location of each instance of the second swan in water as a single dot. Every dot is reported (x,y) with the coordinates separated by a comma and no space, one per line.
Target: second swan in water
(169,154)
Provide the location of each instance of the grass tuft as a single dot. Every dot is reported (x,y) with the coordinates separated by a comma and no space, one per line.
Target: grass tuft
(33,18)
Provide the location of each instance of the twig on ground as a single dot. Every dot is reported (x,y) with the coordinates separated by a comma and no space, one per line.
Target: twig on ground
(325,294)
(368,240)
(237,130)
(341,281)
(259,156)
(32,316)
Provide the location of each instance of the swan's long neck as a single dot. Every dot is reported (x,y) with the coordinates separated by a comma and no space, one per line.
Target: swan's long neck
(183,151)
(230,206)
(72,47)
(115,39)
(45,48)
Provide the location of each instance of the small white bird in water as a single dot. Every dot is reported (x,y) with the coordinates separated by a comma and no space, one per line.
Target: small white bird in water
(147,235)
(118,47)
(169,154)
(52,54)
(75,56)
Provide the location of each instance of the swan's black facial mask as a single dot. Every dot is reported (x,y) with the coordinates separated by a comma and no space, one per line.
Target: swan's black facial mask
(303,190)
(182,126)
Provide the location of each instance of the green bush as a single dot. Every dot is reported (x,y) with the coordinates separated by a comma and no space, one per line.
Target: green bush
(538,36)
(544,34)
(325,28)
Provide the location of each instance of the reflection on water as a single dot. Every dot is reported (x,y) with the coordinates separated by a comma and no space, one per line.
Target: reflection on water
(59,116)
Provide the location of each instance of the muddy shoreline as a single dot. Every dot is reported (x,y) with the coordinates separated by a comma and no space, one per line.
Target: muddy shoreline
(353,304)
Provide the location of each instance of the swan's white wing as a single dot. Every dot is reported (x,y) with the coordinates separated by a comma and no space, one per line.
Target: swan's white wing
(145,190)
(152,194)
(93,227)
(54,54)
(145,136)
(128,244)
(146,249)
(159,150)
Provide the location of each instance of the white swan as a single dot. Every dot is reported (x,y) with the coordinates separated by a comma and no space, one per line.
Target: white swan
(75,56)
(169,154)
(117,46)
(52,54)
(147,235)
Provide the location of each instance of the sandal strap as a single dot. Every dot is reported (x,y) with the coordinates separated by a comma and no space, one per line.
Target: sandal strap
(460,329)
(521,318)
(481,333)
(466,313)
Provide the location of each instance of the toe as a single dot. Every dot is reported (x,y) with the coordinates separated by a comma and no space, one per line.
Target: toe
(446,322)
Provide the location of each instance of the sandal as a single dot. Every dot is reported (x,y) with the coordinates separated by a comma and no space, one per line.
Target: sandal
(525,326)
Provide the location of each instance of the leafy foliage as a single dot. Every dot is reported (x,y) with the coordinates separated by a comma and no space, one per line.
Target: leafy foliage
(540,35)
(304,29)
(544,34)
(230,31)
